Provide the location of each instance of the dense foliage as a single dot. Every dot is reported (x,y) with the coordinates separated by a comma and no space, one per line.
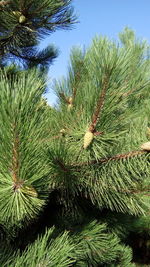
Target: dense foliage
(74,179)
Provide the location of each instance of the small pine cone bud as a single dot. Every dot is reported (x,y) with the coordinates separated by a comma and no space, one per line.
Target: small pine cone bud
(70,100)
(88,137)
(22,19)
(63,131)
(70,103)
(146,146)
(16,13)
(70,106)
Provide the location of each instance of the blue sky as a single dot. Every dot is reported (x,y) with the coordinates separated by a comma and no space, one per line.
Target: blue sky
(106,17)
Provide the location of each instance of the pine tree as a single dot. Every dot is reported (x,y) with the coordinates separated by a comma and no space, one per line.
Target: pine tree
(103,120)
(24,23)
(74,179)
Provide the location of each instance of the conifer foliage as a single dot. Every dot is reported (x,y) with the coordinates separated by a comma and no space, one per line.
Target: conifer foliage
(24,22)
(74,179)
(21,19)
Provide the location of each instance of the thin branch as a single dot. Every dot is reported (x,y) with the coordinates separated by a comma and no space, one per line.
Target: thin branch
(98,133)
(113,158)
(132,191)
(15,157)
(50,139)
(134,89)
(32,58)
(17,185)
(100,104)
(74,92)
(19,55)
(62,165)
(77,78)
(62,95)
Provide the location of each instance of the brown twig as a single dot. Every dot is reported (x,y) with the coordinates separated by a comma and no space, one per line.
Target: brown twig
(100,103)
(17,185)
(77,78)
(62,165)
(133,191)
(65,98)
(98,133)
(15,156)
(74,92)
(62,134)
(116,157)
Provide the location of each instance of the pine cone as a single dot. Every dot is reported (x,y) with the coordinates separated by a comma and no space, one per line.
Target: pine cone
(22,19)
(88,137)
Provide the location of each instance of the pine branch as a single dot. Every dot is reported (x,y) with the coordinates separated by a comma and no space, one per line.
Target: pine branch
(100,104)
(65,98)
(61,165)
(113,158)
(35,18)
(21,162)
(134,89)
(98,247)
(31,57)
(146,191)
(77,79)
(48,249)
(15,157)
(50,139)
(17,54)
